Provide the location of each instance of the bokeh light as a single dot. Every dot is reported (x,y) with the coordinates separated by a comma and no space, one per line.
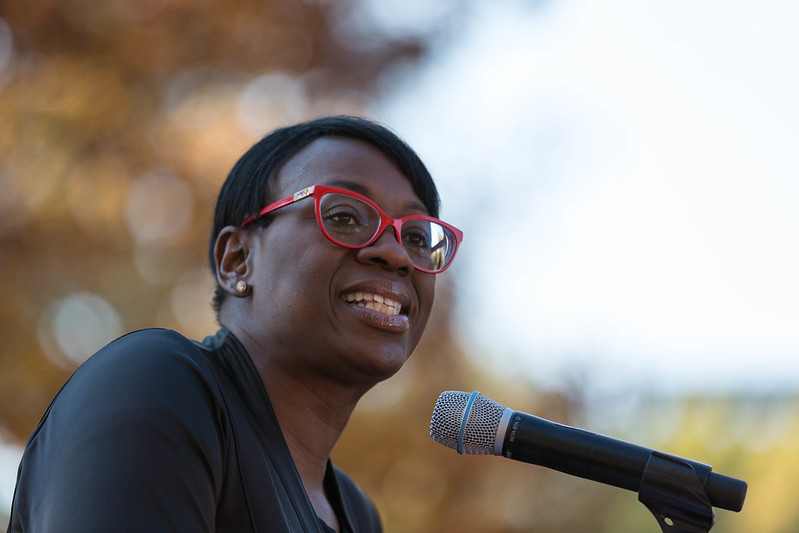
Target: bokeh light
(271,100)
(190,303)
(73,328)
(158,206)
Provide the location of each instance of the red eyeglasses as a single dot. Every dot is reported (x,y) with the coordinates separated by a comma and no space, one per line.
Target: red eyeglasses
(354,221)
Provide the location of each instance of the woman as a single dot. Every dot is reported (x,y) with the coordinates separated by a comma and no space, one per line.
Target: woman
(320,295)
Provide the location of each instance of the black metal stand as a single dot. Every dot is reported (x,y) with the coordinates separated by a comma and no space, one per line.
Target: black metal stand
(671,489)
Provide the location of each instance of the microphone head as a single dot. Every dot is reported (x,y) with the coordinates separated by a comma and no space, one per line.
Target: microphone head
(466,422)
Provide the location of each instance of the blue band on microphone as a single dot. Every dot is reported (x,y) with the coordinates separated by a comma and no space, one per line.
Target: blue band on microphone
(463,420)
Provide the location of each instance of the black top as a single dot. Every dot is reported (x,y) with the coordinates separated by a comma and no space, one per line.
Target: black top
(160,433)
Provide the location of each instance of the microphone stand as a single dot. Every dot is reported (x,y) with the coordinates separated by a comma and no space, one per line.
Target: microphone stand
(673,492)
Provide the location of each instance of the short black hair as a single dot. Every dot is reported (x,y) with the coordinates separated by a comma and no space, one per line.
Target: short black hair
(248,185)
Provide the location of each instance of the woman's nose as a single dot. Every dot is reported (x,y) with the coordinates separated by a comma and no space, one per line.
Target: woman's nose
(388,253)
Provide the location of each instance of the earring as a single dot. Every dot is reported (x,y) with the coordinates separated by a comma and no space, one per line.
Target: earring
(241,286)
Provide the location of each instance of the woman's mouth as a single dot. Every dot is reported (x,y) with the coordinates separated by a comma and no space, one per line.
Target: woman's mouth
(374,302)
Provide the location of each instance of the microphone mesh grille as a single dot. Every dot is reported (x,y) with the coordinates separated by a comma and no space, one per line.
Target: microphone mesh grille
(480,429)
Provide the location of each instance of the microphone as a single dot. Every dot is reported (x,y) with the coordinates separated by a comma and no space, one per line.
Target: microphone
(475,425)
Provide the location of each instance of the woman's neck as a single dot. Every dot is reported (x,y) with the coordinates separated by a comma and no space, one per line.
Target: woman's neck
(312,410)
(311,423)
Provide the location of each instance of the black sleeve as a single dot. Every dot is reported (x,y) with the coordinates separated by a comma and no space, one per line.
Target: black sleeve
(131,443)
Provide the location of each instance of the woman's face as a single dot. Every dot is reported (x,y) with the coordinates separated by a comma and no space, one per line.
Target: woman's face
(308,294)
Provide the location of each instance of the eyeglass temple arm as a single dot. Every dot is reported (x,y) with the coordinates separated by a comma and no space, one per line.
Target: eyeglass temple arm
(268,209)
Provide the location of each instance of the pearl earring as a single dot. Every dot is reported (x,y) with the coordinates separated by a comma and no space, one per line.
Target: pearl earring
(241,286)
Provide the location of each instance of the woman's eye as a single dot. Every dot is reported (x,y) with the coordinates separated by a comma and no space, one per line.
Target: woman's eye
(343,217)
(417,239)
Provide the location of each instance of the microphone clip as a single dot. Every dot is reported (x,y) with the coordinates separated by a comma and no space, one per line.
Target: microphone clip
(672,491)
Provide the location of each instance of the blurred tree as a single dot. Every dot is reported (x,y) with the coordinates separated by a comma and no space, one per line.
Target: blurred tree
(119,121)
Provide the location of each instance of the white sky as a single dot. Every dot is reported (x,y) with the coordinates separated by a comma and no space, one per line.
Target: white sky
(627,177)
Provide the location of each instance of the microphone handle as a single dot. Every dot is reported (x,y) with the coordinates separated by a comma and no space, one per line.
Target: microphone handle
(588,455)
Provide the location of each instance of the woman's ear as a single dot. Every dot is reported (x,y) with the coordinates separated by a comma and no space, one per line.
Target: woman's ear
(232,256)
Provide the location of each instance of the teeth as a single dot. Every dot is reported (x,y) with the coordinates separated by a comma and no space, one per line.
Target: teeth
(375,302)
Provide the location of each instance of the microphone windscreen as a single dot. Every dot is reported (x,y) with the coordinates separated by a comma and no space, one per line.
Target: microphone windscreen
(466,422)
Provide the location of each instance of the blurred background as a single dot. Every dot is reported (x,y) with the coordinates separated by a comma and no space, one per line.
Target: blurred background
(626,176)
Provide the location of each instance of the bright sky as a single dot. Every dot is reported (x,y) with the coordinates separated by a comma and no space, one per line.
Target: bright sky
(627,177)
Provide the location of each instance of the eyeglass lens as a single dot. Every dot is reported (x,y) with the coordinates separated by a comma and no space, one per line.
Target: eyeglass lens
(352,222)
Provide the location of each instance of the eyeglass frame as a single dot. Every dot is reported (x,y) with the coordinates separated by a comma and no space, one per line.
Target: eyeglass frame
(318,191)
